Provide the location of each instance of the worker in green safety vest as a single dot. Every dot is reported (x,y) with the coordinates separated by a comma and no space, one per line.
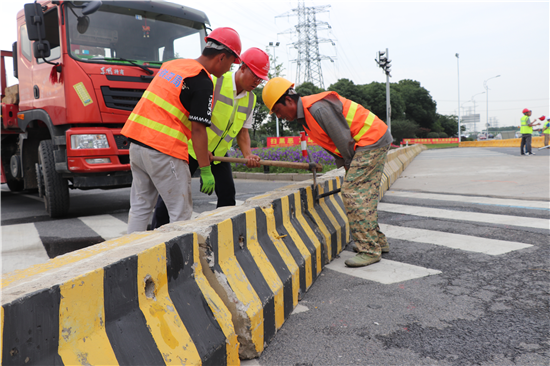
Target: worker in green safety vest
(232,116)
(526,131)
(546,133)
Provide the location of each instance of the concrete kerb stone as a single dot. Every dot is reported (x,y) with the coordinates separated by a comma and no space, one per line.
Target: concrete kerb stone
(146,301)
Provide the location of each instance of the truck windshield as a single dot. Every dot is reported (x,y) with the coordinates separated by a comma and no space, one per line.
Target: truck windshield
(129,36)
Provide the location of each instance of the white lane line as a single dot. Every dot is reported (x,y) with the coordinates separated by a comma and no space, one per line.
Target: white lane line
(470,199)
(21,247)
(385,271)
(465,216)
(455,241)
(237,202)
(107,226)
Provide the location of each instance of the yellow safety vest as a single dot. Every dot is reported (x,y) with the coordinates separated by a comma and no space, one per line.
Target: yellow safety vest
(546,128)
(525,128)
(227,120)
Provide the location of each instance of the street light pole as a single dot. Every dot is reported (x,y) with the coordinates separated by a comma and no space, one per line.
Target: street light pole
(487,91)
(275,44)
(458,78)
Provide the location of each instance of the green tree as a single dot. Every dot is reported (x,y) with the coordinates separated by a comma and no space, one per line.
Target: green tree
(308,88)
(403,129)
(375,95)
(347,89)
(419,105)
(449,124)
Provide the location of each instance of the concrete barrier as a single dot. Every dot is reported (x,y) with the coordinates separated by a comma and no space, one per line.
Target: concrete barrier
(147,302)
(208,290)
(536,142)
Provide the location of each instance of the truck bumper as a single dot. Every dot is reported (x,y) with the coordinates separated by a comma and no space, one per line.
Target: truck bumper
(109,181)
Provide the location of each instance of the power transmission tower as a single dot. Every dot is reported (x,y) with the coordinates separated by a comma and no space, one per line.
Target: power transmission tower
(308,62)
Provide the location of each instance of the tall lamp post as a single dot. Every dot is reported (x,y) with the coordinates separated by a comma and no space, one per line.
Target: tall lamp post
(487,92)
(275,44)
(458,78)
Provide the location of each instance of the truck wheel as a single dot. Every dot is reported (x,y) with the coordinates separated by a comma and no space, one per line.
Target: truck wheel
(13,184)
(56,188)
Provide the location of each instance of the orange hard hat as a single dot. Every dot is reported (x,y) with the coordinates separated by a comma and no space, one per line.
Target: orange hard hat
(229,38)
(257,61)
(275,89)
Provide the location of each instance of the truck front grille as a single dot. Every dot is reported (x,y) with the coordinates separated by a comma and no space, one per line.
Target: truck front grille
(118,98)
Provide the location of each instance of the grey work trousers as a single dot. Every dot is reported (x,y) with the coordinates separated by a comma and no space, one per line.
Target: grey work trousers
(156,173)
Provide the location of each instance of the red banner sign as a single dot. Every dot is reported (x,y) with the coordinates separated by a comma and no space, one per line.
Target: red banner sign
(287,141)
(452,140)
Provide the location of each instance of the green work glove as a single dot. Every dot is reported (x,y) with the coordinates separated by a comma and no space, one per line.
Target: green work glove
(207,180)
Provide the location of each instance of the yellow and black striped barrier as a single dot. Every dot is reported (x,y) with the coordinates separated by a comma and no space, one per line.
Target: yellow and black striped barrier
(210,290)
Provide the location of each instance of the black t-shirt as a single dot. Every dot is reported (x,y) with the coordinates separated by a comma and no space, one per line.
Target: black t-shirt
(196,97)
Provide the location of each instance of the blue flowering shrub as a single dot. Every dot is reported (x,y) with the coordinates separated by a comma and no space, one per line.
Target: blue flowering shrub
(291,154)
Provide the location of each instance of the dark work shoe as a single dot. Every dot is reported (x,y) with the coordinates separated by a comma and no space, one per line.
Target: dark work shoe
(385,248)
(362,259)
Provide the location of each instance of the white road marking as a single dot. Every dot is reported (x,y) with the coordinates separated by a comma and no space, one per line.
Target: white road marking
(237,202)
(471,199)
(106,226)
(21,247)
(299,309)
(385,271)
(465,216)
(455,241)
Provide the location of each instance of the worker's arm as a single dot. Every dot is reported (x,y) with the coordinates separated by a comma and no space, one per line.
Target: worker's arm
(243,139)
(200,144)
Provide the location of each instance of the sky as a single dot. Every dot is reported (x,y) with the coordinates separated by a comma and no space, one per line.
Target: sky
(510,39)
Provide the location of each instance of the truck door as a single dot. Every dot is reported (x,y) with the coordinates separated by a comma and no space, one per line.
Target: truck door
(24,61)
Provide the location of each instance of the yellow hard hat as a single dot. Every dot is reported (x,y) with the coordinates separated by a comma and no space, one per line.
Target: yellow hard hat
(274,89)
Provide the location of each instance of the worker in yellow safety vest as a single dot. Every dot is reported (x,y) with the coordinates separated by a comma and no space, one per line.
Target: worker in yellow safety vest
(526,131)
(546,133)
(232,117)
(175,108)
(358,140)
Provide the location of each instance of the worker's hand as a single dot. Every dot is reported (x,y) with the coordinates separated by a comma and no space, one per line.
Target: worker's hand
(253,161)
(207,180)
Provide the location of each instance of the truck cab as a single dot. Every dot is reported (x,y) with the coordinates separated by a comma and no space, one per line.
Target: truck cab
(82,67)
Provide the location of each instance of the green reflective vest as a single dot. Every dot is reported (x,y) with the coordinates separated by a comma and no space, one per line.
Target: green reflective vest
(227,119)
(546,128)
(525,128)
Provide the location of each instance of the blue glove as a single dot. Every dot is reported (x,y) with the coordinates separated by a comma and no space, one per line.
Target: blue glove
(207,180)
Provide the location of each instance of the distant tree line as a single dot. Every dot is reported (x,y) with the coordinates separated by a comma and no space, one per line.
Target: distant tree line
(413,110)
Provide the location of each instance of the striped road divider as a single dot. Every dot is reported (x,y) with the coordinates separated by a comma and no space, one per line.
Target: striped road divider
(212,290)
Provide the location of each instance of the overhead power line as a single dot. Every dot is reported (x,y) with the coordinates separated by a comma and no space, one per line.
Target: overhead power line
(308,62)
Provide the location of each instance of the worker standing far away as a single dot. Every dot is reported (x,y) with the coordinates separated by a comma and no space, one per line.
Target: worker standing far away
(232,116)
(175,108)
(358,140)
(546,133)
(526,131)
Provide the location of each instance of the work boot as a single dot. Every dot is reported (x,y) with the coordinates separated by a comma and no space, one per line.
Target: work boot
(362,259)
(385,248)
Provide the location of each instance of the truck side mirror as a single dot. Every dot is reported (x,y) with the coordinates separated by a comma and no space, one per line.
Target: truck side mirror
(35,22)
(41,49)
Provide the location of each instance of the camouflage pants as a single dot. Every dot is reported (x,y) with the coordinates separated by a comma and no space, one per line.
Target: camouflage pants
(360,193)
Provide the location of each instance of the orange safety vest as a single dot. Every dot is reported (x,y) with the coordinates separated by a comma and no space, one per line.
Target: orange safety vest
(159,120)
(365,127)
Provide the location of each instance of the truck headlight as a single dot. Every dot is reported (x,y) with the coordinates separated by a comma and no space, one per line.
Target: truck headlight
(89,142)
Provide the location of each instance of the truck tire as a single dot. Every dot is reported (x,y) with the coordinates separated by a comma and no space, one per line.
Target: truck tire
(56,188)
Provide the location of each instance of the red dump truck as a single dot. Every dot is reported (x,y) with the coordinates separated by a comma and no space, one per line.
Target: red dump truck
(81,69)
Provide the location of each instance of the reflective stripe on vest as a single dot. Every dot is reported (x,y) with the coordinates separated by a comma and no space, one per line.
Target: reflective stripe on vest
(365,128)
(226,120)
(525,129)
(161,122)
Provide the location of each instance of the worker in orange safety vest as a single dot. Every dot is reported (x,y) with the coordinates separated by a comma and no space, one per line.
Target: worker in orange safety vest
(175,108)
(358,140)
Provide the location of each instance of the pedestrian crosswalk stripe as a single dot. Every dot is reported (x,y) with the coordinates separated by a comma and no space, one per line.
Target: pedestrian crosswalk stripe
(437,213)
(455,241)
(21,247)
(107,226)
(471,199)
(385,271)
